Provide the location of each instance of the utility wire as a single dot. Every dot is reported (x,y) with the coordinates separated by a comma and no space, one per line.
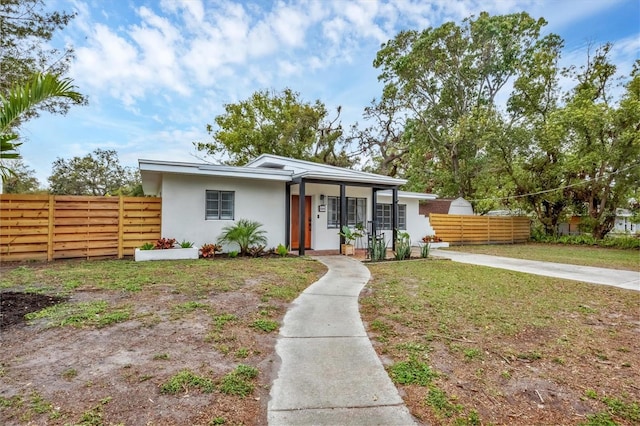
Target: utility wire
(511,197)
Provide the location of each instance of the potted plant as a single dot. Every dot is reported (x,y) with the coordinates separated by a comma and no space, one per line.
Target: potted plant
(349,236)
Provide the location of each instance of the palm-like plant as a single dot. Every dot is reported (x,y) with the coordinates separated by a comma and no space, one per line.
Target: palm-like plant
(22,98)
(245,233)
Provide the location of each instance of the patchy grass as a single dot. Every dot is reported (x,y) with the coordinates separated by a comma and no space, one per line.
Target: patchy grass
(186,380)
(576,255)
(500,342)
(182,309)
(81,314)
(265,325)
(411,371)
(219,300)
(239,381)
(280,279)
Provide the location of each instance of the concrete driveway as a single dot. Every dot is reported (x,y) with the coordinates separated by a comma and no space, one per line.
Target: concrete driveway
(629,280)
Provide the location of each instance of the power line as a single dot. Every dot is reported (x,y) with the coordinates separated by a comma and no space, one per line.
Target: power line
(510,197)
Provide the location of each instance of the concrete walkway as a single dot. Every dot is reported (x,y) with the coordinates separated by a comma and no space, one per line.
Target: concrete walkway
(614,277)
(329,372)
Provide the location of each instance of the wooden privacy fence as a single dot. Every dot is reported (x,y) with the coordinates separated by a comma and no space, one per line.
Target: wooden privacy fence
(48,227)
(462,229)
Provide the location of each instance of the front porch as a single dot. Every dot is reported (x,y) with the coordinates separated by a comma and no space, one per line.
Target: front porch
(320,208)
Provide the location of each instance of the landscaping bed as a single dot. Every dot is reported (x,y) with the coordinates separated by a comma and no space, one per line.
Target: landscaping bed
(162,343)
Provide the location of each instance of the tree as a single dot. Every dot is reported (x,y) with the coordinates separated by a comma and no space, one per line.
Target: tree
(22,98)
(22,181)
(448,79)
(384,140)
(571,153)
(276,123)
(98,173)
(25,32)
(604,164)
(530,152)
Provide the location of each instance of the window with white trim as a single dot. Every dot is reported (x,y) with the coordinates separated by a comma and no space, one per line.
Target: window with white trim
(383,214)
(219,205)
(356,212)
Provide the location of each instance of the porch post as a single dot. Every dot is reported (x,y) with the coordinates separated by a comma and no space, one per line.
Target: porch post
(287,215)
(301,216)
(394,218)
(343,209)
(374,201)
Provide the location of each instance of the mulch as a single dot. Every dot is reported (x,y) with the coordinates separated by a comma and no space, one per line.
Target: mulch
(15,305)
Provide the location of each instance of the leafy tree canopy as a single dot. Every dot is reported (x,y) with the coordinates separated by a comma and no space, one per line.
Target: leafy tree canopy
(22,181)
(448,79)
(25,31)
(277,123)
(98,173)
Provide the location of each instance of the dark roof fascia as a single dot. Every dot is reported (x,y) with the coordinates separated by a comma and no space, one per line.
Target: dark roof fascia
(297,180)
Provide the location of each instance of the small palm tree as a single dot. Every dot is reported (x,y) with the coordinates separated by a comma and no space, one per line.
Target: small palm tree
(245,233)
(39,88)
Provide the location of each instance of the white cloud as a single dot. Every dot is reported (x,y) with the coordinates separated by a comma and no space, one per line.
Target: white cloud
(287,68)
(361,16)
(290,25)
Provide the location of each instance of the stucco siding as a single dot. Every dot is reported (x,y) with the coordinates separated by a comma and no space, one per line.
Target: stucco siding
(183,207)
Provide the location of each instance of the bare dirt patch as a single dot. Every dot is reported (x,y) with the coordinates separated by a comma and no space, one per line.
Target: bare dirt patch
(112,374)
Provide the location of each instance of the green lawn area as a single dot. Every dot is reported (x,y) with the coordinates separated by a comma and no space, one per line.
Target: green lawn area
(186,328)
(282,278)
(572,254)
(490,344)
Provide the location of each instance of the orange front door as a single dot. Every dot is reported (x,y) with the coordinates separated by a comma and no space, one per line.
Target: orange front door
(295,222)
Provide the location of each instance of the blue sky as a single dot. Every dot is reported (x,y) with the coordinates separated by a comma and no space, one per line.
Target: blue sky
(157,72)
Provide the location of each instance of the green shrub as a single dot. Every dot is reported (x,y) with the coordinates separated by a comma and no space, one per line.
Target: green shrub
(424,250)
(186,244)
(403,246)
(147,246)
(245,233)
(378,249)
(614,241)
(282,250)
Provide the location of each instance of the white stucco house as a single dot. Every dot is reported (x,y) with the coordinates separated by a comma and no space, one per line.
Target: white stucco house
(294,200)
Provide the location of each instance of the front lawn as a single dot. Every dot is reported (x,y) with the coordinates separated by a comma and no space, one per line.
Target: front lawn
(122,342)
(572,254)
(476,345)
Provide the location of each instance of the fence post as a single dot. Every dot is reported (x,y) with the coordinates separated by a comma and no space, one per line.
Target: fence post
(488,229)
(51,217)
(121,227)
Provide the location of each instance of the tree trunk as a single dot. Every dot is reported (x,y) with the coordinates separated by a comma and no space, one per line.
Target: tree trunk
(601,229)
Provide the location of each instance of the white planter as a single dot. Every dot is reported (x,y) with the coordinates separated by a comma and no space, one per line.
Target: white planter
(438,245)
(166,254)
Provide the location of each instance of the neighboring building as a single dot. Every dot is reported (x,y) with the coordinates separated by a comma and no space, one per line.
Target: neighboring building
(446,206)
(295,201)
(623,223)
